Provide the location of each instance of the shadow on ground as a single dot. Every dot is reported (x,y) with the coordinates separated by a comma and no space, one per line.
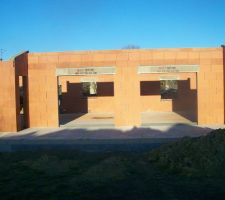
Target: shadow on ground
(135,139)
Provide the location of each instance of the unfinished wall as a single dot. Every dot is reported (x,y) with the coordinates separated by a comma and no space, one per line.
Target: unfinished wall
(43,101)
(8,117)
(127,103)
(223,47)
(210,92)
(43,104)
(21,70)
(127,89)
(210,87)
(21,63)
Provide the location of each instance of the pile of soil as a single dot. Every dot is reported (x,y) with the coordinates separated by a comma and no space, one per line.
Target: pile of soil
(202,156)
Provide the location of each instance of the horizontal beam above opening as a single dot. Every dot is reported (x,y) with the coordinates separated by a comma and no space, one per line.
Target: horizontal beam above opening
(84,71)
(154,69)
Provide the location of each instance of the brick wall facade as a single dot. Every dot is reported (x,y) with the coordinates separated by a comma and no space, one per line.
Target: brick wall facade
(201,93)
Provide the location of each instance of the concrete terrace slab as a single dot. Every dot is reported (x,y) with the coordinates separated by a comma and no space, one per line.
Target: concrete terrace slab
(152,132)
(106,120)
(152,118)
(83,120)
(99,139)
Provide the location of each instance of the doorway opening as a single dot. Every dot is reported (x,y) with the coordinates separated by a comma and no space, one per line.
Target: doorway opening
(85,102)
(169,101)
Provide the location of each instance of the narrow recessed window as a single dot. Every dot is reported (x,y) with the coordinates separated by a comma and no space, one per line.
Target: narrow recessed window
(60,90)
(89,88)
(168,89)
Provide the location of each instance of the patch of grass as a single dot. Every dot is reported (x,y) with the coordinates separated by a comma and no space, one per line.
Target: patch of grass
(189,169)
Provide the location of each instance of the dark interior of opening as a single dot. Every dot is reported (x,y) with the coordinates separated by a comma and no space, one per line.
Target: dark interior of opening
(23,107)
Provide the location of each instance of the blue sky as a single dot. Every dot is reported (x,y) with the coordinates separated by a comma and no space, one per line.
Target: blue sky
(61,25)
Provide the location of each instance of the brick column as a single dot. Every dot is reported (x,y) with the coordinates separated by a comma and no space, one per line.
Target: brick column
(127,95)
(8,117)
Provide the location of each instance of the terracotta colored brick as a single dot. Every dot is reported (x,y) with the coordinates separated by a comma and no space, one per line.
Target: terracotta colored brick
(198,92)
(206,55)
(157,55)
(193,55)
(182,55)
(110,57)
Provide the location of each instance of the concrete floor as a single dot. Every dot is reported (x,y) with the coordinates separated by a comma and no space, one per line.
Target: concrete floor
(151,118)
(91,126)
(83,120)
(96,132)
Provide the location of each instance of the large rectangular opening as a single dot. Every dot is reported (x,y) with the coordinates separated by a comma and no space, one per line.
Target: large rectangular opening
(85,102)
(169,100)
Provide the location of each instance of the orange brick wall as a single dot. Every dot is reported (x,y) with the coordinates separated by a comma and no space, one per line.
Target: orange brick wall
(223,46)
(43,105)
(8,118)
(21,69)
(10,98)
(127,89)
(210,87)
(127,103)
(21,63)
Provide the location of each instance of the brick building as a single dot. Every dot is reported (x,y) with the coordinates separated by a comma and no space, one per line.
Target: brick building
(123,87)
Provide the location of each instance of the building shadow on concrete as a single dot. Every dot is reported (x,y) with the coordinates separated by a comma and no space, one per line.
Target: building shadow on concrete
(135,139)
(66,118)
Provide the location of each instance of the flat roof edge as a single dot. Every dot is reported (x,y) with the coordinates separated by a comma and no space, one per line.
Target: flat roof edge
(126,50)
